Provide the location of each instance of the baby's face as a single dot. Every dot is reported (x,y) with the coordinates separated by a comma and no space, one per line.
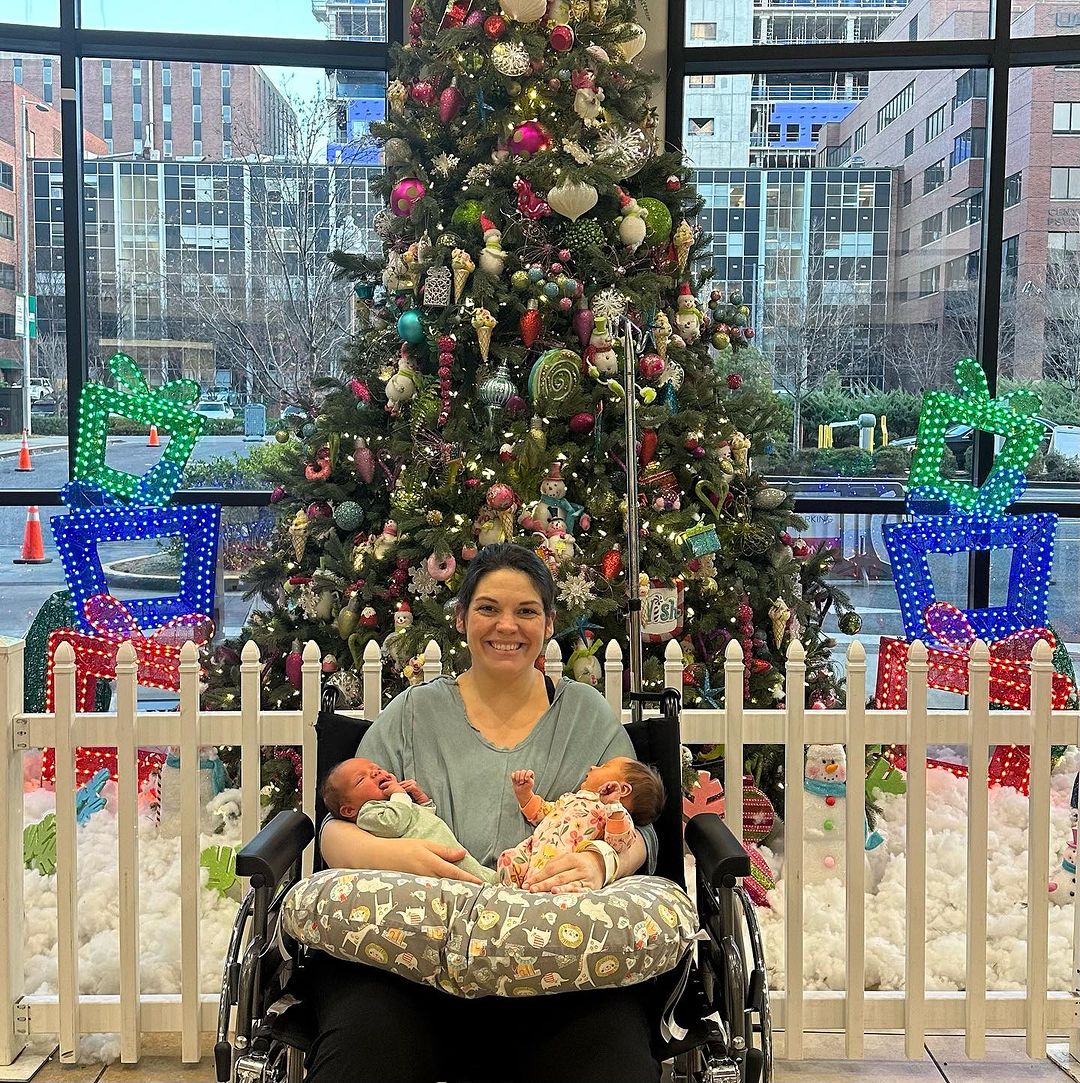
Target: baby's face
(612,771)
(358,783)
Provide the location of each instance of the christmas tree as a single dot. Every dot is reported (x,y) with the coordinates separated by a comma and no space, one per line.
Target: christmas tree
(534,234)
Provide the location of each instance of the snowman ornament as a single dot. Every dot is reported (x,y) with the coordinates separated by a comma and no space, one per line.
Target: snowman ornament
(1063,886)
(600,354)
(393,646)
(401,387)
(824,814)
(688,316)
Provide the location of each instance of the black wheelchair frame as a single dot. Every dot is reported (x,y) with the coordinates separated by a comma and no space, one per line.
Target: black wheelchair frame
(720,1030)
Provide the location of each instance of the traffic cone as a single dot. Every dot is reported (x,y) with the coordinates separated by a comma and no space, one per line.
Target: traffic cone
(24,455)
(33,548)
(153,441)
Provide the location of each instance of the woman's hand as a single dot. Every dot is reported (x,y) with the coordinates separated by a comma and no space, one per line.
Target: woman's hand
(433,859)
(346,846)
(579,871)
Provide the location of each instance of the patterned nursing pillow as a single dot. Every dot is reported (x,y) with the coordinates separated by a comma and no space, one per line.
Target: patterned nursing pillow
(476,940)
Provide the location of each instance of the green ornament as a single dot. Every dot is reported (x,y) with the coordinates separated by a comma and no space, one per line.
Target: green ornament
(281,436)
(658,223)
(585,233)
(449,240)
(467,216)
(735,297)
(850,623)
(348,515)
(519,280)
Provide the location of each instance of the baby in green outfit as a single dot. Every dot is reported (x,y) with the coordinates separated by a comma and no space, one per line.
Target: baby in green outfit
(370,796)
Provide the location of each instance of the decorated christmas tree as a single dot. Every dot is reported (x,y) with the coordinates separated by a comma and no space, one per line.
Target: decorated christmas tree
(536,241)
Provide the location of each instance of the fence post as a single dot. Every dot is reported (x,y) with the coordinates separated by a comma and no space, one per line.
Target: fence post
(673,666)
(11,853)
(250,740)
(977,822)
(1042,672)
(734,678)
(915,887)
(855,902)
(613,677)
(127,831)
(795,698)
(310,692)
(372,702)
(553,663)
(190,827)
(432,660)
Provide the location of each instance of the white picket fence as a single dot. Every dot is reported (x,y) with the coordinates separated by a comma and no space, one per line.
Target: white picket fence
(912,1012)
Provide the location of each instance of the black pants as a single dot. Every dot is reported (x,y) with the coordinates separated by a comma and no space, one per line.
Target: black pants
(374,1026)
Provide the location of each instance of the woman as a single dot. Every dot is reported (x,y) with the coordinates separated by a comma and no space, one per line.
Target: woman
(461,738)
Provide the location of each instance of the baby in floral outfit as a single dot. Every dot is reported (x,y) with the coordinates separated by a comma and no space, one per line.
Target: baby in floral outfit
(614,798)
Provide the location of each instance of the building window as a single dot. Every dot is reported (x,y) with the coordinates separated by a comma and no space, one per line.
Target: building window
(913,29)
(702,80)
(703,31)
(7,176)
(166,148)
(166,75)
(905,242)
(226,75)
(136,74)
(837,156)
(196,114)
(196,75)
(196,148)
(933,177)
(935,124)
(700,126)
(7,226)
(1010,256)
(7,276)
(969,144)
(106,73)
(1013,188)
(909,143)
(928,281)
(966,213)
(1063,259)
(931,229)
(860,139)
(961,272)
(1064,182)
(18,72)
(972,84)
(907,193)
(7,325)
(791,133)
(893,108)
(1066,118)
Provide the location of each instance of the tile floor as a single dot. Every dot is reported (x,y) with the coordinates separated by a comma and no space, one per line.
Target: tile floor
(944,1062)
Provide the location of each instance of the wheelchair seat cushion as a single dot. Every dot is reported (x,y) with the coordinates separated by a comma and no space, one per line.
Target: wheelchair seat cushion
(475,940)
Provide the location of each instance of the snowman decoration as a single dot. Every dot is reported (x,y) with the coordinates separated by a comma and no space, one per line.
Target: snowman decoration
(1063,886)
(632,225)
(562,514)
(492,256)
(688,316)
(402,386)
(394,646)
(824,815)
(600,354)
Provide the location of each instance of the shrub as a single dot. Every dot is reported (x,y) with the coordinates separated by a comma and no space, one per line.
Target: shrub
(892,461)
(1062,467)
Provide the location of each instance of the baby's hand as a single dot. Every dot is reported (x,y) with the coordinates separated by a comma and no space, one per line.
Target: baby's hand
(412,788)
(391,785)
(522,780)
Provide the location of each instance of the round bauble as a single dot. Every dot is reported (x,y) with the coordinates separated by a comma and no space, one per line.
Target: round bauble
(500,496)
(405,194)
(281,436)
(319,509)
(651,365)
(510,58)
(734,381)
(348,515)
(530,137)
(623,150)
(585,233)
(658,223)
(396,151)
(736,297)
(519,280)
(495,27)
(582,424)
(850,623)
(721,341)
(523,11)
(410,326)
(474,19)
(561,38)
(466,216)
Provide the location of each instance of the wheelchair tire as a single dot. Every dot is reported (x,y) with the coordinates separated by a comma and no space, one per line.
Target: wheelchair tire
(758,1063)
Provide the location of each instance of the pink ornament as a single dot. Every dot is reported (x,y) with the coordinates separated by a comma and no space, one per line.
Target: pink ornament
(584,322)
(474,19)
(446,343)
(500,496)
(581,424)
(422,92)
(277,495)
(468,551)
(565,304)
(561,38)
(405,195)
(319,509)
(830,862)
(294,667)
(530,137)
(651,365)
(450,102)
(441,568)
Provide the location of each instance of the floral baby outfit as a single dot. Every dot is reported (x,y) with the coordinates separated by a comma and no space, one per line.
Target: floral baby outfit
(564,826)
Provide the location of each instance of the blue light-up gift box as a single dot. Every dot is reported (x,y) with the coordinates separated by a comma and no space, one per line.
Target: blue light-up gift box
(198,526)
(1030,537)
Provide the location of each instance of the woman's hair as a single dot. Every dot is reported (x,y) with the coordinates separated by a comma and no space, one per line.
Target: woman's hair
(646,800)
(517,558)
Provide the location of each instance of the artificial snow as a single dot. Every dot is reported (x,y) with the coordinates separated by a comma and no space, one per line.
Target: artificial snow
(823,933)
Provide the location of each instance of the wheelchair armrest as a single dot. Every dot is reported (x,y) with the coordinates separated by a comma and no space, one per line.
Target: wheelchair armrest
(720,856)
(274,850)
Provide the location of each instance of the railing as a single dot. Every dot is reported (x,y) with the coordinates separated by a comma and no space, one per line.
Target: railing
(821,92)
(913,1012)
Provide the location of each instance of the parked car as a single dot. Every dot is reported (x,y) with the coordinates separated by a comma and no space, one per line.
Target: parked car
(43,407)
(292,411)
(40,388)
(215,411)
(959,439)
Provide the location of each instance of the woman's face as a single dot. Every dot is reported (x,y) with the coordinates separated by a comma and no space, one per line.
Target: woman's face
(505,625)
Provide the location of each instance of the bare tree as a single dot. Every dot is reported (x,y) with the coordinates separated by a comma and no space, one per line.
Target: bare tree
(50,360)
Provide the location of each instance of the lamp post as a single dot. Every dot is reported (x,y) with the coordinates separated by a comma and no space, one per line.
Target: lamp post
(25,234)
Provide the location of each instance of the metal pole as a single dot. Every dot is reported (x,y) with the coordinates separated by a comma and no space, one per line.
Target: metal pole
(25,211)
(633,540)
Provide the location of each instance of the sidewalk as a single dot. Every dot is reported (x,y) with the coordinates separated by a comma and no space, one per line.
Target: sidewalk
(11,444)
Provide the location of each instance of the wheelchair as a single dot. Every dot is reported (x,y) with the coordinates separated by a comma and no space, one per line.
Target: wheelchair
(719,1031)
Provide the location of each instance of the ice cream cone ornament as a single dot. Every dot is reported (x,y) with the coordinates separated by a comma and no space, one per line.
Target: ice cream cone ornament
(484,325)
(683,239)
(461,263)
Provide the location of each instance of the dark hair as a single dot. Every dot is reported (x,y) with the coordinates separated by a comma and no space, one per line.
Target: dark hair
(330,792)
(646,802)
(517,558)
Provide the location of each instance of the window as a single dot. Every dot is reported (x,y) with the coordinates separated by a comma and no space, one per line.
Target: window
(7,276)
(47,81)
(935,124)
(837,156)
(196,148)
(972,84)
(1063,259)
(702,80)
(196,114)
(166,75)
(106,73)
(909,143)
(1065,182)
(791,133)
(962,272)
(1066,118)
(7,325)
(7,226)
(860,139)
(1013,188)
(969,144)
(966,213)
(226,76)
(907,193)
(928,282)
(905,242)
(895,106)
(931,229)
(933,177)
(913,29)
(7,176)
(700,126)
(196,75)
(1010,256)
(703,31)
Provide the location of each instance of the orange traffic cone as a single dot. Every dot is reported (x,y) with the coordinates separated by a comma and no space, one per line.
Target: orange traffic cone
(33,548)
(24,455)
(153,441)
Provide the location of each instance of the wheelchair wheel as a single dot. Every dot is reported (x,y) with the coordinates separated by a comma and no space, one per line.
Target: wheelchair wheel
(757,1031)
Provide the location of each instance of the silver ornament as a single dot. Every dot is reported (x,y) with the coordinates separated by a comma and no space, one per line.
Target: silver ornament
(495,391)
(437,287)
(510,58)
(382,223)
(609,303)
(623,150)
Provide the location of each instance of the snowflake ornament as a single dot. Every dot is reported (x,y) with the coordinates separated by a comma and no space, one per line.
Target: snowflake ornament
(446,163)
(348,684)
(577,152)
(479,174)
(309,601)
(611,304)
(575,591)
(421,583)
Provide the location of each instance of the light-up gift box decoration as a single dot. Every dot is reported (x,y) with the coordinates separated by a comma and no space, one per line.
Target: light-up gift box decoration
(166,406)
(198,526)
(1008,417)
(157,653)
(1031,537)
